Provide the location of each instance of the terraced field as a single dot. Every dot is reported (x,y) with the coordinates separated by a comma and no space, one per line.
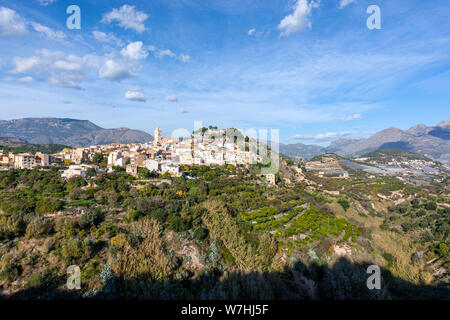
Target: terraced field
(300,224)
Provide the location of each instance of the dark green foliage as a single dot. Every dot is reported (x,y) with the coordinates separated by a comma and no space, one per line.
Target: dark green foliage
(91,218)
(33,148)
(75,251)
(118,169)
(431,206)
(10,272)
(176,223)
(97,158)
(200,234)
(344,204)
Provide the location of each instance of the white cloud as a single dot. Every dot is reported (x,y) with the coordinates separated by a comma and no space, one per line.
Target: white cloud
(48,33)
(46,2)
(345,3)
(127,17)
(64,81)
(26,79)
(61,70)
(11,23)
(184,58)
(352,117)
(107,38)
(135,94)
(182,111)
(251,31)
(23,79)
(167,52)
(324,137)
(134,51)
(172,98)
(28,65)
(115,71)
(299,19)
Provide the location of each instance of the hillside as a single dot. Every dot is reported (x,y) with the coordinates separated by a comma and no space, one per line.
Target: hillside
(387,155)
(226,234)
(300,150)
(71,132)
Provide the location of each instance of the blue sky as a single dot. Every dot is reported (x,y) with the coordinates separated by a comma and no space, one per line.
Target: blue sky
(310,68)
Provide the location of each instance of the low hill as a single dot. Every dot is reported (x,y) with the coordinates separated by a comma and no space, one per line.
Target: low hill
(15,145)
(388,155)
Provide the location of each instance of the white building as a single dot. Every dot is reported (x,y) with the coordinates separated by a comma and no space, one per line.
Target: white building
(152,165)
(113,157)
(79,170)
(24,161)
(170,169)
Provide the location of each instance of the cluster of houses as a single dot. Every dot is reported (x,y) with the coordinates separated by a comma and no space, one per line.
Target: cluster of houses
(25,160)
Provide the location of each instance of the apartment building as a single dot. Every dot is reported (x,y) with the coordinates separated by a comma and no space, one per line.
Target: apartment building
(24,161)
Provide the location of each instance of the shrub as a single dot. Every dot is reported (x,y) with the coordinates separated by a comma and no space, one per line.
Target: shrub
(200,234)
(91,218)
(431,206)
(38,227)
(176,223)
(76,250)
(10,272)
(344,204)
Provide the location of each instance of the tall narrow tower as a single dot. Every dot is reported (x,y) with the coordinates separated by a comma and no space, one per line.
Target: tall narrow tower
(158,135)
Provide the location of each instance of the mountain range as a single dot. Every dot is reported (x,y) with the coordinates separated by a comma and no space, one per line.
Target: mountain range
(433,142)
(70,132)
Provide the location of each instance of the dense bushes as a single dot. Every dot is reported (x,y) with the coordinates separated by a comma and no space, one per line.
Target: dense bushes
(39,226)
(91,218)
(76,251)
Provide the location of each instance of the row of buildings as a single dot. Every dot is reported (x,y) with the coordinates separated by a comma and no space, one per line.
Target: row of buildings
(24,160)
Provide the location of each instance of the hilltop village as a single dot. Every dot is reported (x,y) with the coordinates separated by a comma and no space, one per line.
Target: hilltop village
(163,155)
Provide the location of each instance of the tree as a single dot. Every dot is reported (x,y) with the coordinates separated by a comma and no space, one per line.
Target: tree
(118,169)
(344,204)
(431,206)
(90,172)
(144,173)
(98,158)
(91,218)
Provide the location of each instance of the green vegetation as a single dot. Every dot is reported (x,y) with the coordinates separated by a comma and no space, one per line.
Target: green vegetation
(223,232)
(33,148)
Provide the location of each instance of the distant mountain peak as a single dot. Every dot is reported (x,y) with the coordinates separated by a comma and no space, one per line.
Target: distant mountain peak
(419,129)
(67,131)
(444,124)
